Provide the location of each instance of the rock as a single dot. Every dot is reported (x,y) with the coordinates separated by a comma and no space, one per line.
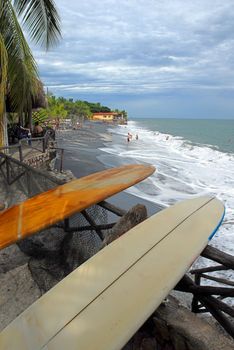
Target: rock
(143,339)
(18,291)
(44,244)
(78,247)
(46,272)
(179,328)
(11,257)
(65,175)
(148,343)
(133,217)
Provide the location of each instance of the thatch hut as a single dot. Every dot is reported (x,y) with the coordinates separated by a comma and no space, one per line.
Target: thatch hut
(38,101)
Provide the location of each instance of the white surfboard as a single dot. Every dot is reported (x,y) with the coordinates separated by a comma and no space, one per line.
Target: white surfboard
(101,304)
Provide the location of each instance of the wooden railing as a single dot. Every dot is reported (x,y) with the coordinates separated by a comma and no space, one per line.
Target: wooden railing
(30,180)
(31,143)
(26,147)
(208,298)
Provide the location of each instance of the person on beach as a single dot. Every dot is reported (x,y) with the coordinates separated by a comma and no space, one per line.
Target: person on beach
(129,137)
(21,132)
(136,136)
(38,130)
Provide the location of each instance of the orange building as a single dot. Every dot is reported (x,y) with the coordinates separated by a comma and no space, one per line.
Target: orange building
(105,116)
(114,117)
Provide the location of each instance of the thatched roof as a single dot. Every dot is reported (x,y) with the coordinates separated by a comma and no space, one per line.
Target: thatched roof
(39,101)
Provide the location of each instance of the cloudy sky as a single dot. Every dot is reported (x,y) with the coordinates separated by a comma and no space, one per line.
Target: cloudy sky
(153,58)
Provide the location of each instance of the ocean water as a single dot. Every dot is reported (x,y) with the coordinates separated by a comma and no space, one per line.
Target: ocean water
(192,158)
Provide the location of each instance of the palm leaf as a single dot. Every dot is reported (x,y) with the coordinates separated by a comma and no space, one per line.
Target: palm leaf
(40,116)
(41,19)
(22,69)
(3,85)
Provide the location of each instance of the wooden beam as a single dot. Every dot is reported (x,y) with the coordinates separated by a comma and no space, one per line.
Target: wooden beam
(112,208)
(216,255)
(216,279)
(209,269)
(92,223)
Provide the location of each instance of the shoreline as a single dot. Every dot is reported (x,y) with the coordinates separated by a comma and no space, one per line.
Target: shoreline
(81,151)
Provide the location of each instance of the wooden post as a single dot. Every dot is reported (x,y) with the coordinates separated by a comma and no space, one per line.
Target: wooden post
(195,307)
(20,152)
(43,145)
(3,87)
(61,160)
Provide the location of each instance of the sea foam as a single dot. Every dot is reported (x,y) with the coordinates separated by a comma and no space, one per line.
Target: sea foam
(184,170)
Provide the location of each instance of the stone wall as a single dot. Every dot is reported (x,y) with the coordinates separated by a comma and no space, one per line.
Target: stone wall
(36,160)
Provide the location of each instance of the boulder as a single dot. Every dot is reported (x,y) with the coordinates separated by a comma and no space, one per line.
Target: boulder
(18,291)
(11,257)
(178,327)
(133,217)
(46,272)
(44,244)
(78,247)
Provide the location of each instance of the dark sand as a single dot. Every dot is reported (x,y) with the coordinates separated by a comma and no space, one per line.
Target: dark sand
(82,147)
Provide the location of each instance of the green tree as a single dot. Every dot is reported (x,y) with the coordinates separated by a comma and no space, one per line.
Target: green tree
(18,69)
(56,108)
(81,111)
(97,107)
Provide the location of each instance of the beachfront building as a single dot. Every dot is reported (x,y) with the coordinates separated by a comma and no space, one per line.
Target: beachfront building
(113,117)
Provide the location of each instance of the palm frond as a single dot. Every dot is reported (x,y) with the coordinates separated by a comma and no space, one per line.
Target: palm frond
(41,19)
(22,69)
(3,85)
(3,66)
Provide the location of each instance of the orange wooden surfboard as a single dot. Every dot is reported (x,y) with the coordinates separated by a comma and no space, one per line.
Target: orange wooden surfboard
(54,205)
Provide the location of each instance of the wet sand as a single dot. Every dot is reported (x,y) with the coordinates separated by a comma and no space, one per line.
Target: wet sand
(81,149)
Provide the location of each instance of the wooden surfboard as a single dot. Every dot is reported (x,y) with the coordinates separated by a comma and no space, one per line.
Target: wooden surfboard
(101,304)
(56,204)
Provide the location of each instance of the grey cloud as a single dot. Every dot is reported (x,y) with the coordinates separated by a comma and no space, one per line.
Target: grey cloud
(142,46)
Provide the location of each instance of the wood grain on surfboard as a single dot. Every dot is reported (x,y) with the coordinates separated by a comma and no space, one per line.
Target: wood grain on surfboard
(101,304)
(56,204)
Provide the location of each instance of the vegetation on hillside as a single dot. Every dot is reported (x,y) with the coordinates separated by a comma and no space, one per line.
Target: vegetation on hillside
(76,110)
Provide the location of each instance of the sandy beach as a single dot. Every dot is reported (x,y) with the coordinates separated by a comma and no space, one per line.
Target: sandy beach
(81,151)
